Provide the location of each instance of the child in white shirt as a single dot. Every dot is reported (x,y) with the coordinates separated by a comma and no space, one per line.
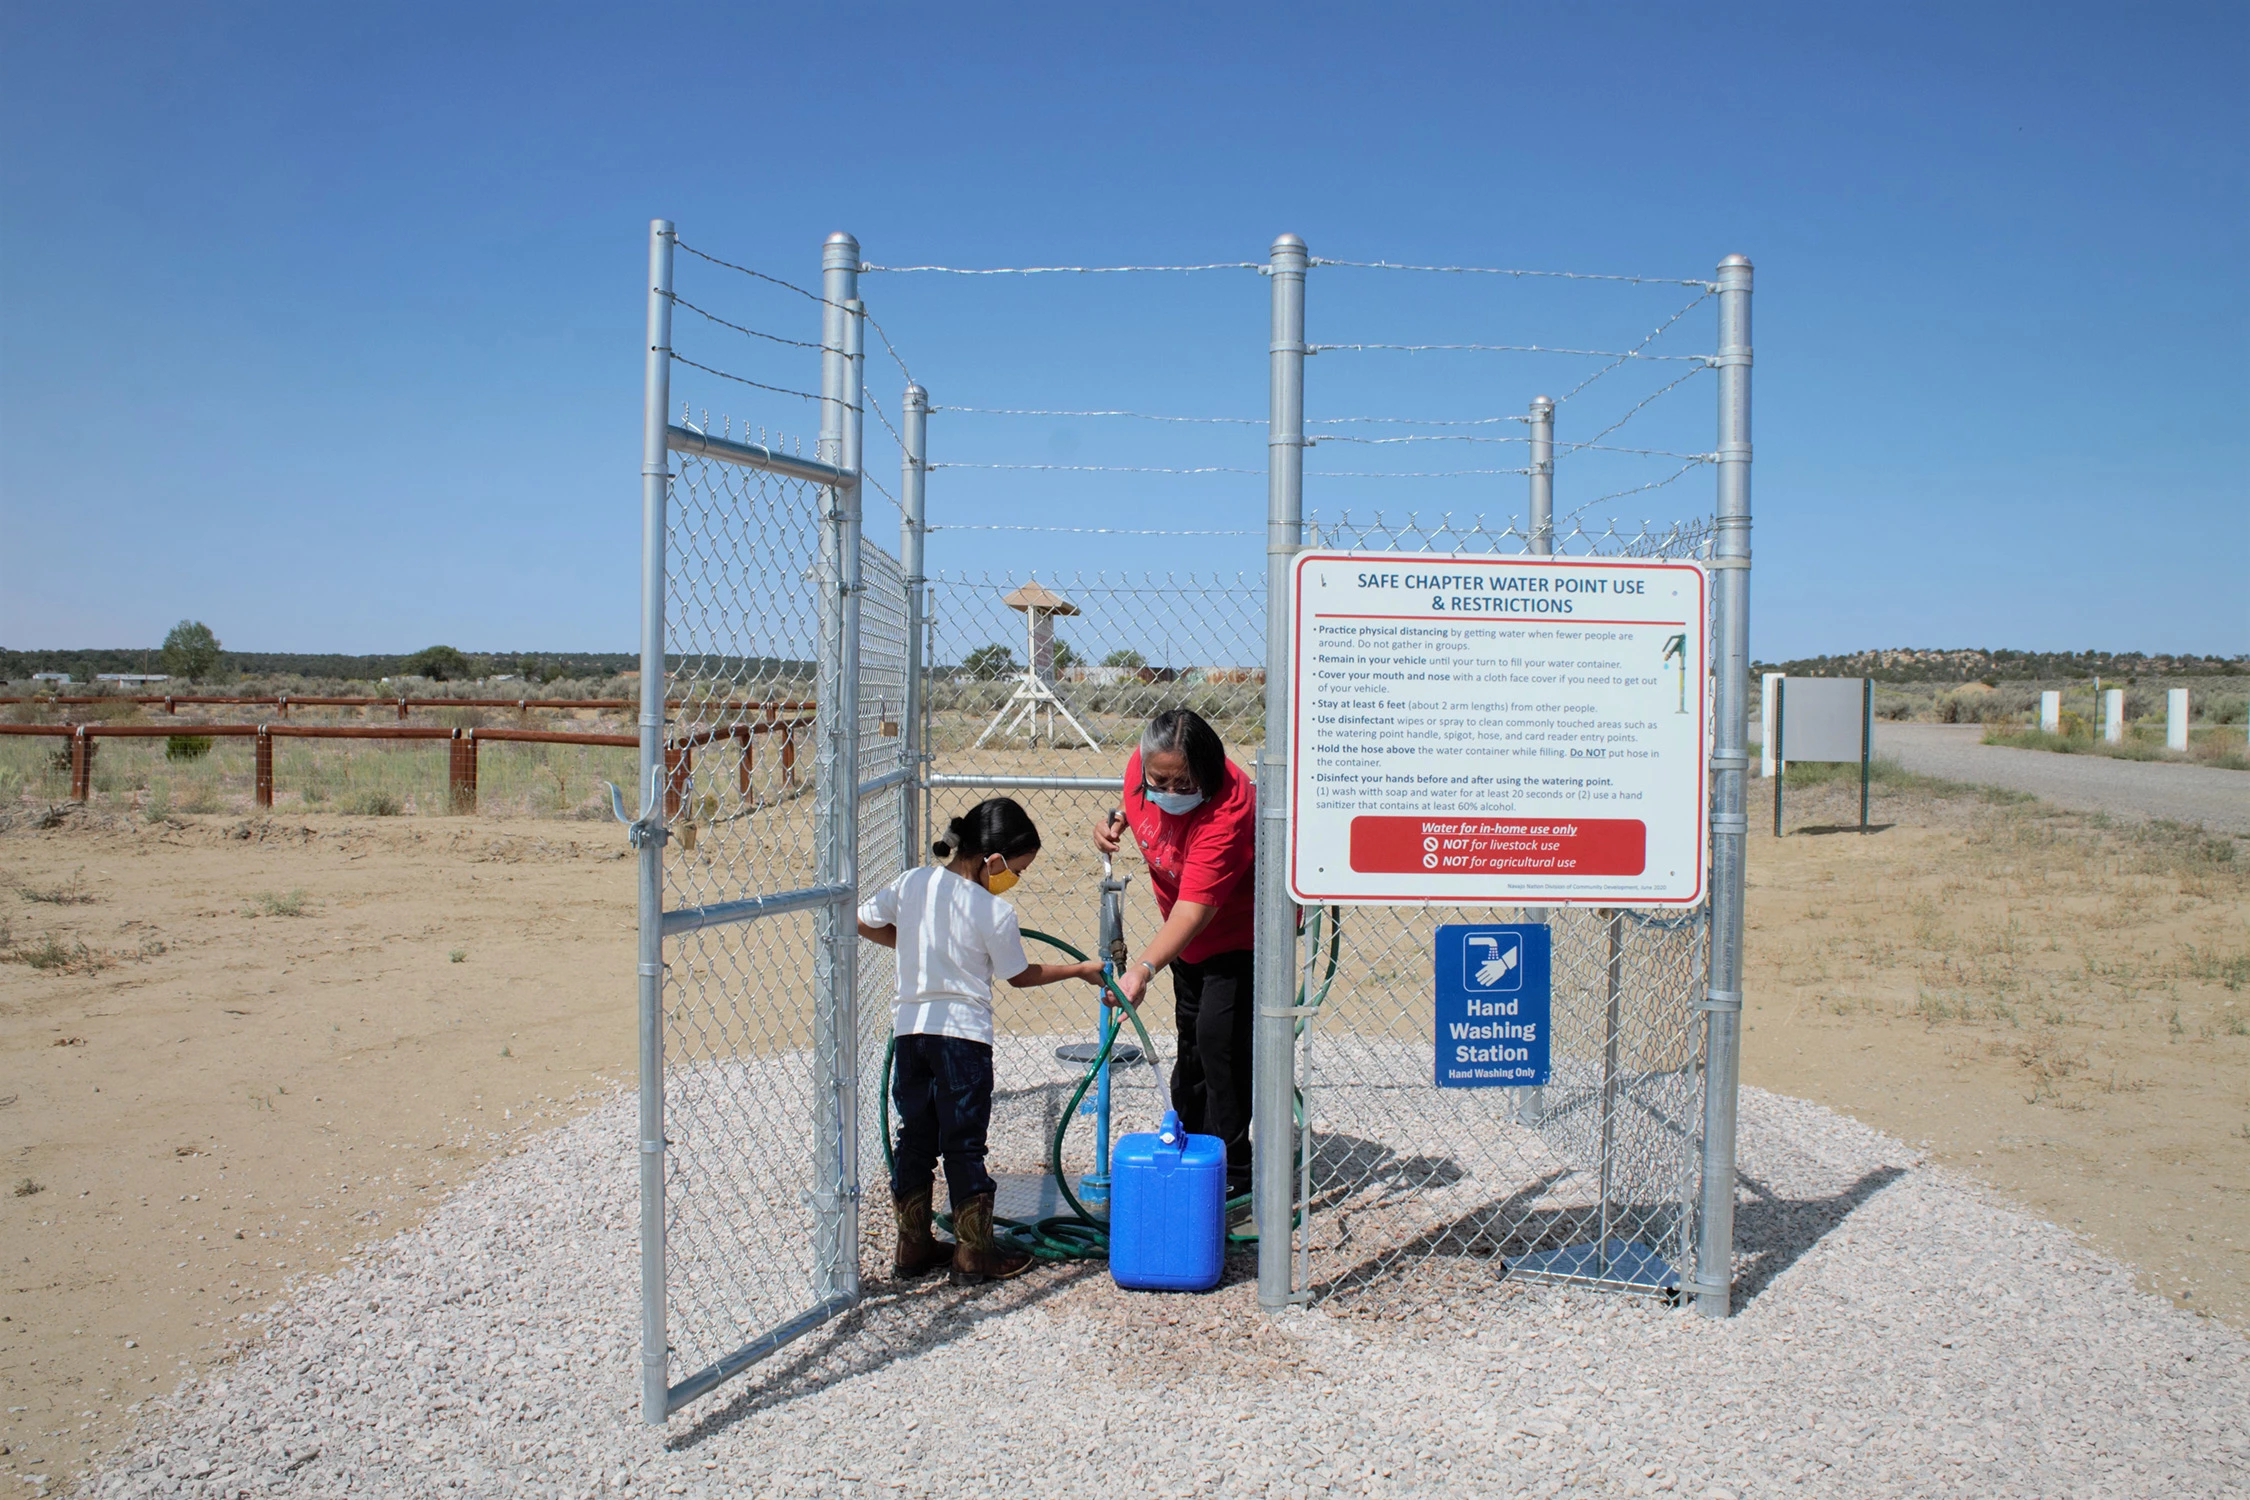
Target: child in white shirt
(954,936)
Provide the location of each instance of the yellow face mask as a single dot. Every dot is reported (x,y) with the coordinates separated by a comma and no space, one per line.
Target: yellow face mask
(1000,880)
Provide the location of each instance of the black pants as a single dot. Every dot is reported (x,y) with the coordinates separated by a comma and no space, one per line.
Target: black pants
(1211,1083)
(941,1087)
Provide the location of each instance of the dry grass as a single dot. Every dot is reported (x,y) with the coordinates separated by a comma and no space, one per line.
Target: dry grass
(2054,1000)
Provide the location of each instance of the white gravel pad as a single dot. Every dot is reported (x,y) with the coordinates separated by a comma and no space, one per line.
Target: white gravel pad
(1901,1333)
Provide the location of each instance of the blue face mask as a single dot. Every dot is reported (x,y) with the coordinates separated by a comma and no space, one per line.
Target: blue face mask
(1178,804)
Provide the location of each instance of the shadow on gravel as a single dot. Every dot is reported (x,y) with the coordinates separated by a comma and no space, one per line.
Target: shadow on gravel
(1772,1233)
(1823,828)
(895,1320)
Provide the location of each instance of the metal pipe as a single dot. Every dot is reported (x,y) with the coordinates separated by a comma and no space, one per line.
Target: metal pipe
(1005,783)
(695,918)
(710,1378)
(1542,540)
(656,481)
(835,1032)
(1531,1103)
(1730,823)
(876,785)
(913,530)
(1274,1044)
(1609,1084)
(754,456)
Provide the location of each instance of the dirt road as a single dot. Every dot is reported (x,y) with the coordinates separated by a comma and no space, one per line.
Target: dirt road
(2133,790)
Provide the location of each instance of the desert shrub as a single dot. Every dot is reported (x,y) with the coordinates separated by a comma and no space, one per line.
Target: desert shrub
(438,663)
(373,805)
(186,747)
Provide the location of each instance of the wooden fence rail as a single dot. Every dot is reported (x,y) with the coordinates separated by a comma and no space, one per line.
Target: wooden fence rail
(461,756)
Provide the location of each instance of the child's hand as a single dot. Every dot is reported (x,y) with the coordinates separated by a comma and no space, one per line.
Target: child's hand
(1090,971)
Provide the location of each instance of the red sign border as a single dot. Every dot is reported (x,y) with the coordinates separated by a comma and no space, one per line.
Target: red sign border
(1449,559)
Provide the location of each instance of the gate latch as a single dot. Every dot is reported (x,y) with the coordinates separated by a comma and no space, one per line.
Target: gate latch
(641,830)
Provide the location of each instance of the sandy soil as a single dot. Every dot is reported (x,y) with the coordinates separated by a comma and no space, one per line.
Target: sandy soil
(214,1101)
(2050,1002)
(214,1098)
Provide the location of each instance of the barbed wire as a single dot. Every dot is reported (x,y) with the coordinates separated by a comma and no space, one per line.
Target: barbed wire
(874,401)
(1638,489)
(773,338)
(1217,265)
(1388,265)
(1091,530)
(1463,437)
(1098,468)
(1700,458)
(1418,437)
(1506,349)
(1644,401)
(886,494)
(896,357)
(760,275)
(1388,474)
(1658,332)
(1416,421)
(1017,411)
(779,390)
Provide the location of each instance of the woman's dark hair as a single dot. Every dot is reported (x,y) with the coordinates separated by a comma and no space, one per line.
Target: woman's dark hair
(997,825)
(1183,730)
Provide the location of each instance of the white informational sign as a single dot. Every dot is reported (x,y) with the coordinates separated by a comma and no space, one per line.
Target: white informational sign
(1497,730)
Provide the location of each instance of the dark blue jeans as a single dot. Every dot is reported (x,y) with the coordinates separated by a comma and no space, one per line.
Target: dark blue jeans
(941,1087)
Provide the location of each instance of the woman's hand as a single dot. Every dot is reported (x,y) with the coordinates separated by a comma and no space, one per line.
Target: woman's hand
(1133,984)
(1109,833)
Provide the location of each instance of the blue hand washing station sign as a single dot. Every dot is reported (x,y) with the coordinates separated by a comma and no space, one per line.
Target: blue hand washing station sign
(1494,985)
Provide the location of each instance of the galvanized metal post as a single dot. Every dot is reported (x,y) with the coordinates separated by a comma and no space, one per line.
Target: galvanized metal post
(1730,821)
(913,527)
(1542,466)
(656,480)
(836,710)
(1274,1048)
(1531,1102)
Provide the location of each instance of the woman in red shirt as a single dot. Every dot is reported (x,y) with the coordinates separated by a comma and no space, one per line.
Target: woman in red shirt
(1194,814)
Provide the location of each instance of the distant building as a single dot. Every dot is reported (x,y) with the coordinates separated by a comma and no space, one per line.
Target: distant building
(132,677)
(60,679)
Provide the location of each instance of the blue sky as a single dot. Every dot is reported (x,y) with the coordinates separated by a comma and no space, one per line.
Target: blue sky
(322,324)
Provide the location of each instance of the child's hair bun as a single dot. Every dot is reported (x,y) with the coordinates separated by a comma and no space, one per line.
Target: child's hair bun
(945,847)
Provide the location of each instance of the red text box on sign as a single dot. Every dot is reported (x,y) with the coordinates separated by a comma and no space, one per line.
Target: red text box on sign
(1499,846)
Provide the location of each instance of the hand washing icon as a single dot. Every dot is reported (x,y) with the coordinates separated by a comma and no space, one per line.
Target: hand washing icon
(1493,960)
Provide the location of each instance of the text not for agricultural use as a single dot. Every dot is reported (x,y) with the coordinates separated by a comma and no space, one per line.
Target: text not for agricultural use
(1518,730)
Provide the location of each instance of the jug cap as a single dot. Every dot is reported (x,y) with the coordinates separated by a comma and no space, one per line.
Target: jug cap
(1170,1131)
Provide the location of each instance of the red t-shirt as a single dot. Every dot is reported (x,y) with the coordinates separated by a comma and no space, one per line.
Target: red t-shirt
(1205,857)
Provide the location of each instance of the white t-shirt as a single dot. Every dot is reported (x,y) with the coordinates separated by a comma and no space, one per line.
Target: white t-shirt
(954,938)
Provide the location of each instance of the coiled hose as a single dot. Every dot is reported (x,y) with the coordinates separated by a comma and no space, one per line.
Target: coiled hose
(1078,1235)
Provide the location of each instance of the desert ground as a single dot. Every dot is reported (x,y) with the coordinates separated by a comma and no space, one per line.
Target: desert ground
(240,1049)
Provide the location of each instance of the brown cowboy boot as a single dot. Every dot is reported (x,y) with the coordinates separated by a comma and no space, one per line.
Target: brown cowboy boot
(919,1252)
(975,1257)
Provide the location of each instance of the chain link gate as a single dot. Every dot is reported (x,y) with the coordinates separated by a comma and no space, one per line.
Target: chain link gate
(775,784)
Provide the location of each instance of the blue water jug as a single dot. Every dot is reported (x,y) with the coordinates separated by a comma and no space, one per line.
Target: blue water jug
(1168,1210)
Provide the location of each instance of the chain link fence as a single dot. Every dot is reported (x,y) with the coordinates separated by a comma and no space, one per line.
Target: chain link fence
(1404,1182)
(831,709)
(1043,702)
(1405,1179)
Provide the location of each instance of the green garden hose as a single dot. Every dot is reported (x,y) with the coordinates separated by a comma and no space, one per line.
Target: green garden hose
(1078,1235)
